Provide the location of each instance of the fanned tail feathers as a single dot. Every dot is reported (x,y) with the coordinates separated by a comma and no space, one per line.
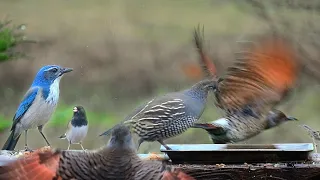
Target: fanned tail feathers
(37,166)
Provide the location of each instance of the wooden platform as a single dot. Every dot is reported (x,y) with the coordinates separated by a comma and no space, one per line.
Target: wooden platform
(253,172)
(244,162)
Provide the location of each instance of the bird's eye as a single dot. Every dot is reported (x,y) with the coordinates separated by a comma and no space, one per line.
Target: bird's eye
(54,70)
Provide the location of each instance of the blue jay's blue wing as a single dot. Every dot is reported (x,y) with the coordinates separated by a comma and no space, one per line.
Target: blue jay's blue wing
(27,101)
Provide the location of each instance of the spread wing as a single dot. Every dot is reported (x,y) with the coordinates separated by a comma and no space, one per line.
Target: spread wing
(27,101)
(260,78)
(207,66)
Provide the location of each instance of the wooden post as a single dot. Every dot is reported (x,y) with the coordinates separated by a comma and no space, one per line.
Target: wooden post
(253,172)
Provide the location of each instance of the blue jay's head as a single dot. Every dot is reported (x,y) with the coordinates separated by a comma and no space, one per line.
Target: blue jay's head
(47,75)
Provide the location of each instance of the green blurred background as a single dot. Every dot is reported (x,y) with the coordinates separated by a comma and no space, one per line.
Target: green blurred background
(125,52)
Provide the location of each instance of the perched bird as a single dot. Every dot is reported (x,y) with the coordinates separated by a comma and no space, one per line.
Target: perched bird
(38,104)
(77,128)
(117,160)
(258,81)
(315,135)
(222,131)
(169,115)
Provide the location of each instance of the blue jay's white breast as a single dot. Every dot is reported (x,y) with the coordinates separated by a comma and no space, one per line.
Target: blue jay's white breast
(76,134)
(53,96)
(40,112)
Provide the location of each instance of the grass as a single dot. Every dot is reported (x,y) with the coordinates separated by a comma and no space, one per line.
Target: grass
(64,113)
(4,123)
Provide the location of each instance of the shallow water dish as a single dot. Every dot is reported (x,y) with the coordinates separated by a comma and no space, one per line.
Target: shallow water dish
(237,153)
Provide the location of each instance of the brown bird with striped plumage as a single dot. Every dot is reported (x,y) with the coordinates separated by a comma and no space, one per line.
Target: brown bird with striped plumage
(118,160)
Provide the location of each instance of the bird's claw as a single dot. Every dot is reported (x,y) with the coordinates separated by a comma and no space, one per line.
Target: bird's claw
(27,149)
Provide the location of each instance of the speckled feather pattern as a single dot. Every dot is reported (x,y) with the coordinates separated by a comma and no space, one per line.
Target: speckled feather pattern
(169,115)
(107,164)
(118,160)
(238,128)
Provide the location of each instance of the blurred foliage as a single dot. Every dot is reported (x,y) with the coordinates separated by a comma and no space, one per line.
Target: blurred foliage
(10,36)
(8,39)
(4,123)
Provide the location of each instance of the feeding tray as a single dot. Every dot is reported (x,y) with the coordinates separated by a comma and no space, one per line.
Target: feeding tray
(237,153)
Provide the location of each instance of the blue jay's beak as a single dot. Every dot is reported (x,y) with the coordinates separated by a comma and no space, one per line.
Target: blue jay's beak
(65,70)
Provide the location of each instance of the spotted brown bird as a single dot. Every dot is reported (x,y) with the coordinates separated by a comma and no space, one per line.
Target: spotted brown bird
(77,128)
(223,130)
(169,115)
(251,88)
(117,160)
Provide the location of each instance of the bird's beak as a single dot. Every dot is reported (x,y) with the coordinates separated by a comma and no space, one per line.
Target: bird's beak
(75,109)
(104,134)
(65,70)
(292,119)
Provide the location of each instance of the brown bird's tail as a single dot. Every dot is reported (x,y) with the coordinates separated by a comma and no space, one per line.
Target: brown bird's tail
(37,166)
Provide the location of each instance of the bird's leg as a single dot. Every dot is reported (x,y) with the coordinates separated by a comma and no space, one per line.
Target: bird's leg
(81,146)
(315,145)
(40,131)
(139,143)
(69,145)
(26,142)
(163,144)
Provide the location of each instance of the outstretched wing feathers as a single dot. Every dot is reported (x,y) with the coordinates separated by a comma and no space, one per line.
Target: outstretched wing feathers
(266,73)
(261,76)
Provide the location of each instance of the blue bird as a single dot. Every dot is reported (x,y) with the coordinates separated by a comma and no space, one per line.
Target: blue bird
(38,105)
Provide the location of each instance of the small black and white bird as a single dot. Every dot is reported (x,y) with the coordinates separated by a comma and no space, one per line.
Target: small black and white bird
(77,128)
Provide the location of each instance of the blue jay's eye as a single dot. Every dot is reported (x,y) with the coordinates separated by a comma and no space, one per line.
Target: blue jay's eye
(54,70)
